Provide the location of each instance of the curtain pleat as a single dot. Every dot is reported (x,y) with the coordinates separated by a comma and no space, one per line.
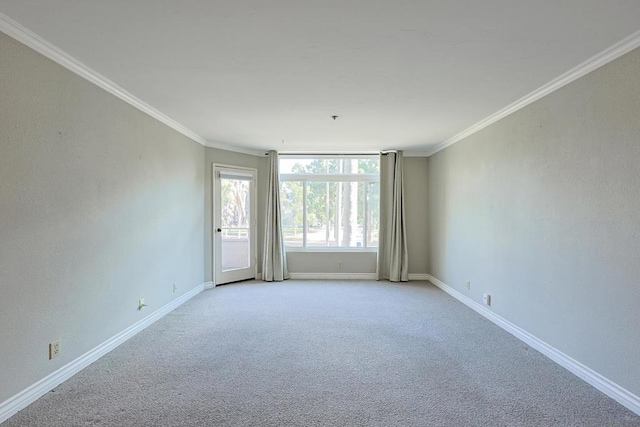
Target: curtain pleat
(393,258)
(274,263)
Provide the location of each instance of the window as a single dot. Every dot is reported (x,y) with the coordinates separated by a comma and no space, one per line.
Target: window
(330,202)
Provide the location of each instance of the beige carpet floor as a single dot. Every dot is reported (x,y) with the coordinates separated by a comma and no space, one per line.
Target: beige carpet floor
(323,353)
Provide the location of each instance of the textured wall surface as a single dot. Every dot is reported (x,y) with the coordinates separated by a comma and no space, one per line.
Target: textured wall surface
(328,262)
(100,205)
(542,210)
(416,176)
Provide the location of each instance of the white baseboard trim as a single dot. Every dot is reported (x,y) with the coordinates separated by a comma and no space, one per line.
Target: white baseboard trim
(209,285)
(333,276)
(606,386)
(349,276)
(29,395)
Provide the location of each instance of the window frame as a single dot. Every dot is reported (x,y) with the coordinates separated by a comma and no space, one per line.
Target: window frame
(305,178)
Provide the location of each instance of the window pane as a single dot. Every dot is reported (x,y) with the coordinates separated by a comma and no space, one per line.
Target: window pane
(337,213)
(373,213)
(371,165)
(235,223)
(350,232)
(320,166)
(321,211)
(348,166)
(333,166)
(291,209)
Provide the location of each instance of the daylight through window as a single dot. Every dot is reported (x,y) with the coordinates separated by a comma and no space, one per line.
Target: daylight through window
(329,202)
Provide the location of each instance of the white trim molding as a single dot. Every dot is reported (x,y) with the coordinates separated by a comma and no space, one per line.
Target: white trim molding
(11,406)
(606,386)
(27,37)
(349,276)
(333,276)
(624,46)
(408,153)
(227,147)
(209,285)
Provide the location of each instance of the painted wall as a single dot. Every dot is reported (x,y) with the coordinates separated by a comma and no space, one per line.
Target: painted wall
(230,158)
(100,205)
(309,262)
(416,177)
(542,210)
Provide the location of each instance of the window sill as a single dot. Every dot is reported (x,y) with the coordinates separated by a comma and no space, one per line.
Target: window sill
(330,250)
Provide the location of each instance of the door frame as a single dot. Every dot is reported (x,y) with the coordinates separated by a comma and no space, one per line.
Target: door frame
(253,212)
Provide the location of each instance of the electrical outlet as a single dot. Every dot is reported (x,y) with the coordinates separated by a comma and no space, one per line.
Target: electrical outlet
(175,288)
(486,299)
(141,304)
(468,284)
(54,349)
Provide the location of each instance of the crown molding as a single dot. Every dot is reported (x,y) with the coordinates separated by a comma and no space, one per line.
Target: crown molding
(25,36)
(235,149)
(417,154)
(624,46)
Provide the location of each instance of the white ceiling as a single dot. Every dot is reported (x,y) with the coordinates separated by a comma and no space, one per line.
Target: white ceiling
(399,74)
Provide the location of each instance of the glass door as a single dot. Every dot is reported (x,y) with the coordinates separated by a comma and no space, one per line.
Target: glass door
(234,225)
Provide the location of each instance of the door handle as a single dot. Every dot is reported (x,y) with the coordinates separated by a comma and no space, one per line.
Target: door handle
(219,230)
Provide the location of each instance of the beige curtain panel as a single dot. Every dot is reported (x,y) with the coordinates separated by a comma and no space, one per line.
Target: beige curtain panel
(274,258)
(393,258)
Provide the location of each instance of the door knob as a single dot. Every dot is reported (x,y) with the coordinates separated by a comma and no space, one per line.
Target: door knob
(219,230)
